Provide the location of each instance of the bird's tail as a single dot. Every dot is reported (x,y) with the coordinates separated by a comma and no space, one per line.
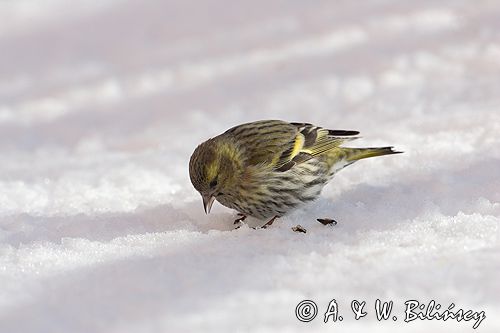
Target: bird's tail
(354,154)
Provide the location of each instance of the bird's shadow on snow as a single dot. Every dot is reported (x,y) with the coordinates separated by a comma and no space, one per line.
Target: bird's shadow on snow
(25,229)
(402,200)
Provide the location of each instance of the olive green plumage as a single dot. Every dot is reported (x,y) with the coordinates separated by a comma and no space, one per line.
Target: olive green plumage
(267,168)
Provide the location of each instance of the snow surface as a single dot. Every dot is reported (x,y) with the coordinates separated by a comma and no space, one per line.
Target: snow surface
(101,105)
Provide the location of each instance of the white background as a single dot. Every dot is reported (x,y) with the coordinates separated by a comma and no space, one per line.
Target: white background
(102,104)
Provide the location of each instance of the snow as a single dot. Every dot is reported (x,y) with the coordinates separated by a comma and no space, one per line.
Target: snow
(102,104)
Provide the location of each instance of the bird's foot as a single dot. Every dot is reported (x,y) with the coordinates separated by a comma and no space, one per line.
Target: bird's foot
(241,218)
(327,221)
(270,222)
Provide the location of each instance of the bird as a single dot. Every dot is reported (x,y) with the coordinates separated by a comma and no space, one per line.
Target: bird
(268,168)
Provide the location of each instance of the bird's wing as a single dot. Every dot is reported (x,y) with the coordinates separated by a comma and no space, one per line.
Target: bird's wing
(311,141)
(283,145)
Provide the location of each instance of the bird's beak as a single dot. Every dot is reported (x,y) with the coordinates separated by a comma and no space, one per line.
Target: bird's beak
(208,201)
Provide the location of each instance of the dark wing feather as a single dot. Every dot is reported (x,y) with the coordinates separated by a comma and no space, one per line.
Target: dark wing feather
(285,145)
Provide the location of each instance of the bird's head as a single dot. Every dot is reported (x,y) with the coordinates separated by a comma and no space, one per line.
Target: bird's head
(214,168)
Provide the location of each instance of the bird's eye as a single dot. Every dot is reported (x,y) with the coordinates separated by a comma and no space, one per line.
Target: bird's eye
(213,183)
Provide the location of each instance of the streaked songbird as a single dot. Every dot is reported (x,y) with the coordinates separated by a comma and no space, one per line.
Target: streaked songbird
(267,168)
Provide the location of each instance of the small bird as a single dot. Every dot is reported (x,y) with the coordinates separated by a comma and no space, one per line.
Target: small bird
(267,168)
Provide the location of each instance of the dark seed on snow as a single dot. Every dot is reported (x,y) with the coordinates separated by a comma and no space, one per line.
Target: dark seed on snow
(299,228)
(327,221)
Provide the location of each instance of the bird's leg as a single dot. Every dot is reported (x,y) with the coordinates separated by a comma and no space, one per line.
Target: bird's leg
(241,218)
(269,222)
